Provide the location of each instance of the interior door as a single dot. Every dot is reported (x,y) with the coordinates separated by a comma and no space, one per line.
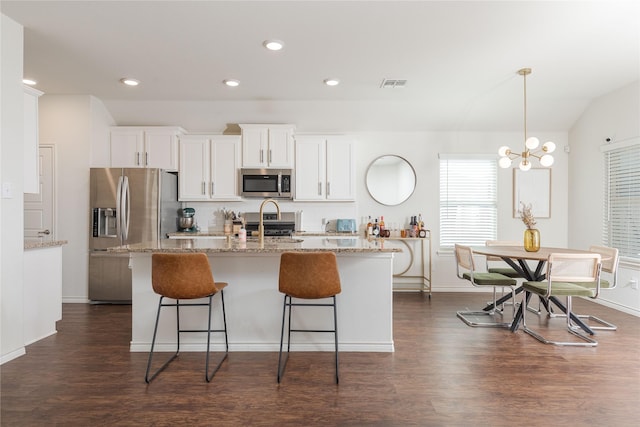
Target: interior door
(39,207)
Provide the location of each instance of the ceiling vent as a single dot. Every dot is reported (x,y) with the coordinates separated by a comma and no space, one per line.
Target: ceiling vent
(392,83)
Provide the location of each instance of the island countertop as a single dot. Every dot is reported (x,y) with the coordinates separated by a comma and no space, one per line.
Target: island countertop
(270,245)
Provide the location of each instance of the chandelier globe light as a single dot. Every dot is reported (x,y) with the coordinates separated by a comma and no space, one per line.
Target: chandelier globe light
(530,143)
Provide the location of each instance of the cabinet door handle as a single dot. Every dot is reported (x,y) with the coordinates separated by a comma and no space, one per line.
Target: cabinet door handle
(138,158)
(146,158)
(261,155)
(328,188)
(319,189)
(204,189)
(270,157)
(212,188)
(46,232)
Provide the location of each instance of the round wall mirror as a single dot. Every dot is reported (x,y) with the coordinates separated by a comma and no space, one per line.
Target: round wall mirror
(391,180)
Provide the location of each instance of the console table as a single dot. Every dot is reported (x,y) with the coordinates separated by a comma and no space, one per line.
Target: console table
(414,263)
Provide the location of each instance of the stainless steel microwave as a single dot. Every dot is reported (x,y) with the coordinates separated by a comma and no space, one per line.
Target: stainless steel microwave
(274,183)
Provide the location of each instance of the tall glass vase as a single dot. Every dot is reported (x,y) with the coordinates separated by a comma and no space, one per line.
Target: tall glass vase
(531,240)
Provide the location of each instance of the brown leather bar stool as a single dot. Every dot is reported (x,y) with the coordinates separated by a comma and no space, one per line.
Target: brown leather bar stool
(185,277)
(308,276)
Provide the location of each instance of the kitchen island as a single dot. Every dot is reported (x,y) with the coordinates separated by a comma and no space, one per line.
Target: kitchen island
(254,304)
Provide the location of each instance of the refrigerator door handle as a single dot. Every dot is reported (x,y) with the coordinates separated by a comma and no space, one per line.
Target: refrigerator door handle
(126,208)
(119,208)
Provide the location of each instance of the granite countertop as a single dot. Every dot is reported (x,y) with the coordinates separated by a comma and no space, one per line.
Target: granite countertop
(271,245)
(295,234)
(40,245)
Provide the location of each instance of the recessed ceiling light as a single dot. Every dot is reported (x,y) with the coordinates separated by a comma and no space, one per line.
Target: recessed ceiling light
(231,82)
(130,82)
(331,82)
(273,44)
(29,82)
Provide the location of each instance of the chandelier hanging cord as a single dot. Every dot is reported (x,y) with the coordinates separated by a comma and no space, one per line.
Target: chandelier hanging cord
(530,143)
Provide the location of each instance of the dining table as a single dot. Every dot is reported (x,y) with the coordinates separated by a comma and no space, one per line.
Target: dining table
(518,259)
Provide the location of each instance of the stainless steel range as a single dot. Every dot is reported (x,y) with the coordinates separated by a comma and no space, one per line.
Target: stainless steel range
(273,227)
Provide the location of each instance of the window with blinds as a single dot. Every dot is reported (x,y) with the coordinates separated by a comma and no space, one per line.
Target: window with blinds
(621,227)
(468,200)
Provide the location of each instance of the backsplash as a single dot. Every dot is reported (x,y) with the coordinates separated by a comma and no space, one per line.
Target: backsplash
(316,217)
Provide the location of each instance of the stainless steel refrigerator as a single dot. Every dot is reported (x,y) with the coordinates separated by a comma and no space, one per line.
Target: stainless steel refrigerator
(127,206)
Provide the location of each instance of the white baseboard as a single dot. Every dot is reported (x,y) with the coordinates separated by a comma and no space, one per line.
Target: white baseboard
(12,355)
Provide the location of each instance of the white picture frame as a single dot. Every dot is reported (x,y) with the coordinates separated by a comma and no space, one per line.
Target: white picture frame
(532,187)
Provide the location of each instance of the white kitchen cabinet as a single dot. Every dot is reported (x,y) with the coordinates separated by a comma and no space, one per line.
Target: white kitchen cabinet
(325,168)
(145,147)
(209,167)
(267,146)
(31,151)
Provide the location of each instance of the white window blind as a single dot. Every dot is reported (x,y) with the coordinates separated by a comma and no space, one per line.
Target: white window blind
(468,200)
(621,228)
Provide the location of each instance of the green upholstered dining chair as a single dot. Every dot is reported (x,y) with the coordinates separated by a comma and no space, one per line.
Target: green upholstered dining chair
(495,264)
(465,269)
(308,276)
(568,275)
(181,277)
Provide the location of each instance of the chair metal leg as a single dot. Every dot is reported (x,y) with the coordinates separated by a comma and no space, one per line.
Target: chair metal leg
(208,376)
(335,329)
(289,303)
(465,315)
(177,305)
(148,379)
(589,341)
(284,310)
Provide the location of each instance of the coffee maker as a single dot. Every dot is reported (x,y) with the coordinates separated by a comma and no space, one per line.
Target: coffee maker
(186,220)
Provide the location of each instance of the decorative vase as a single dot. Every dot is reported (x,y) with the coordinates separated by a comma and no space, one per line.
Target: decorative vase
(531,240)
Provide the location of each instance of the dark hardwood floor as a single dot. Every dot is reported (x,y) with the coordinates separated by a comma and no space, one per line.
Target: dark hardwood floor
(443,373)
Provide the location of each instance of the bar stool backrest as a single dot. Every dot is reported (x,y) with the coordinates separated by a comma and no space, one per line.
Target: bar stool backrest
(309,275)
(182,276)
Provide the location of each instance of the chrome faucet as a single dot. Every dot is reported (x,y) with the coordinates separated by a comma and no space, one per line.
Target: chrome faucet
(261,220)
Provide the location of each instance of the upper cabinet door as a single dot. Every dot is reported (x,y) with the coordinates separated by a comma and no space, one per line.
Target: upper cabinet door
(127,147)
(161,149)
(280,150)
(254,147)
(145,147)
(225,161)
(310,168)
(325,168)
(341,169)
(267,146)
(31,143)
(193,181)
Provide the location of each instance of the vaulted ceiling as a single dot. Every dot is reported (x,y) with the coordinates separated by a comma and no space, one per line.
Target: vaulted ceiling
(460,59)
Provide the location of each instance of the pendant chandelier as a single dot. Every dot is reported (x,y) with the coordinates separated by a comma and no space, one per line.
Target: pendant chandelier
(530,143)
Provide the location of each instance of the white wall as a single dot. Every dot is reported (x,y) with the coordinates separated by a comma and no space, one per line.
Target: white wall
(422,149)
(616,116)
(75,125)
(11,209)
